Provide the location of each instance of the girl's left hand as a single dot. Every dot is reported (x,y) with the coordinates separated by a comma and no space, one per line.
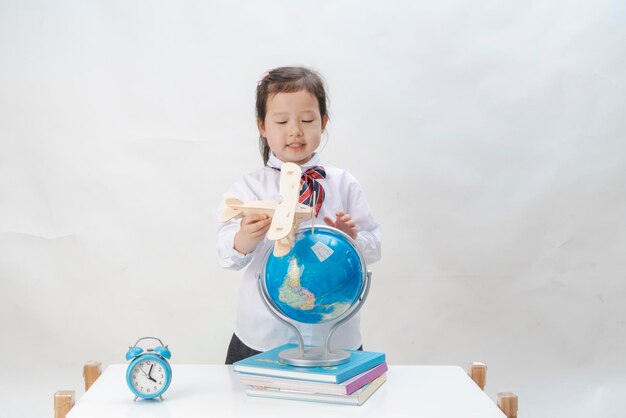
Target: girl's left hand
(344,223)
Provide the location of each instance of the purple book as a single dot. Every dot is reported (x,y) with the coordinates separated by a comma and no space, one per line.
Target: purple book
(360,380)
(344,388)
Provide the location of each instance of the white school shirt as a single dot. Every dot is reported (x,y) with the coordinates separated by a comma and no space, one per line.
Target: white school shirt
(255,326)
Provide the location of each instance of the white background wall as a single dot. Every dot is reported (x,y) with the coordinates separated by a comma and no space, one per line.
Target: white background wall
(488,135)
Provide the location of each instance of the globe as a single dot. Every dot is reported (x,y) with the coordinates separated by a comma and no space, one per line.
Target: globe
(319,280)
(322,278)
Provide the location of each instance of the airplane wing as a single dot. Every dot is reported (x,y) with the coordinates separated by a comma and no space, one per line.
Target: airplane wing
(282,221)
(235,208)
(231,208)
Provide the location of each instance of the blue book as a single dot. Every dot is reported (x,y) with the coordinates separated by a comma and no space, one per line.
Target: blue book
(267,364)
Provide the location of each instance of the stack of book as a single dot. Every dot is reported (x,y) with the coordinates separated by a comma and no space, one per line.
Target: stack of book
(351,383)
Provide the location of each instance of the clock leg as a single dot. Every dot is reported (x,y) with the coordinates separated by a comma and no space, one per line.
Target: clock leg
(161,398)
(135,400)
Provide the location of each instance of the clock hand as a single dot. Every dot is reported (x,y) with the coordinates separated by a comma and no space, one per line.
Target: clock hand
(150,372)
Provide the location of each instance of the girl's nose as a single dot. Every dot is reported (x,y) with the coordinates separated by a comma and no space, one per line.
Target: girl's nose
(294,130)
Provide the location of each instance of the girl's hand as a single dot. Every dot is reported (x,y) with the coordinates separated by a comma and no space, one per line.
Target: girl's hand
(253,229)
(344,223)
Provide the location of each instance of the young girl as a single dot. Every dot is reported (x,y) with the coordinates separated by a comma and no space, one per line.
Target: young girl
(291,117)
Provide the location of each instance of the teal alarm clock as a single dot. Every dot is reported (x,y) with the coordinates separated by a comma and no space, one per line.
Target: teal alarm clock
(149,373)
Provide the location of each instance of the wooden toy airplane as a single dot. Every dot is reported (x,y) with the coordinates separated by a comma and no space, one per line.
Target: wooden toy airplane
(287,214)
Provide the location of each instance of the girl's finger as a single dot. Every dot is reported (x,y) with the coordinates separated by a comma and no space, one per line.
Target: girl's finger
(264,224)
(329,221)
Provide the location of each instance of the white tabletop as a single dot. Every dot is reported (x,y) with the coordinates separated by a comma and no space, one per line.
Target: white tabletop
(204,390)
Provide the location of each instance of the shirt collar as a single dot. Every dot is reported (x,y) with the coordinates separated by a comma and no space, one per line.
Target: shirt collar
(274,162)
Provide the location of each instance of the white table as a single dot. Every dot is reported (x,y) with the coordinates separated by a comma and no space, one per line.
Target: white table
(215,391)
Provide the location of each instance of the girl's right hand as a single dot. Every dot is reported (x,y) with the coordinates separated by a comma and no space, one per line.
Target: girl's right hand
(253,229)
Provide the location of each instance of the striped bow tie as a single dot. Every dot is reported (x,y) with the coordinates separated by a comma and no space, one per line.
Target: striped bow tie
(310,185)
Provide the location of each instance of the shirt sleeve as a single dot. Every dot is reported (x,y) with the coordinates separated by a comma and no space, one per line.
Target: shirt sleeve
(228,256)
(368,230)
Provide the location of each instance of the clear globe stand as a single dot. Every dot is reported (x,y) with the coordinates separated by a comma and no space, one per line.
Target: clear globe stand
(316,356)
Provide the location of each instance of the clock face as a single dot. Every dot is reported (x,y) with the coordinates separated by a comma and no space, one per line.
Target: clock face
(148,377)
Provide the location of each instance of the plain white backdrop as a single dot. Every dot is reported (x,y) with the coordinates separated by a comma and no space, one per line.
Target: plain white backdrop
(489,137)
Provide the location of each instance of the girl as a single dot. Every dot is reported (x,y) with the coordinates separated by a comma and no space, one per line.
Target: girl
(291,117)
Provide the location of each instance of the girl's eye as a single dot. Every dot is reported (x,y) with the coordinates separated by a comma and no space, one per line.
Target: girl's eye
(307,121)
(281,122)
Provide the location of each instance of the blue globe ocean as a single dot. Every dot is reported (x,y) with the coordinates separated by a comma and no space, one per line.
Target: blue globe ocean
(319,280)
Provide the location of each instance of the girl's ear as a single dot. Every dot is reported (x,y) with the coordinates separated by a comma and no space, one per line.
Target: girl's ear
(261,126)
(324,122)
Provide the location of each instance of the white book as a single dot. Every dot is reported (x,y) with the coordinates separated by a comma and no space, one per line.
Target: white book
(356,398)
(346,387)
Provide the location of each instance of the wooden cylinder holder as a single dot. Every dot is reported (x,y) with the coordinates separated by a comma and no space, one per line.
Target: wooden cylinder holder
(478,373)
(507,402)
(91,371)
(63,402)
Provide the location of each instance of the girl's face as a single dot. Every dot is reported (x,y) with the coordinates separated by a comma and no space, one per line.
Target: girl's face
(293,126)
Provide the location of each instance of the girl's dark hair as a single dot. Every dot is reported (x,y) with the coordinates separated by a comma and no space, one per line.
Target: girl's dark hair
(287,80)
